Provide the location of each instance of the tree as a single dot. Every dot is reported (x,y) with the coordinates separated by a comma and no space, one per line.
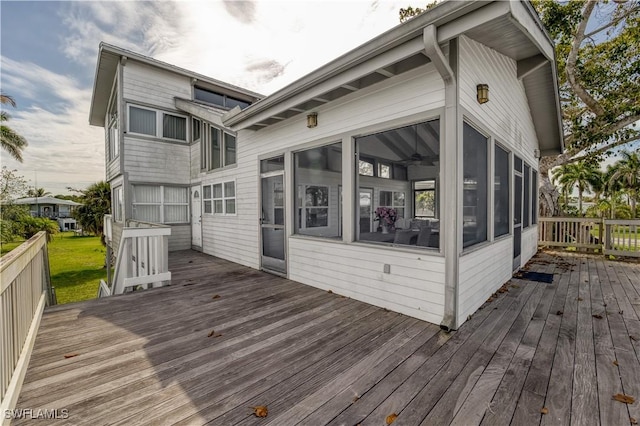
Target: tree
(597,53)
(12,185)
(96,202)
(38,192)
(626,173)
(581,175)
(10,141)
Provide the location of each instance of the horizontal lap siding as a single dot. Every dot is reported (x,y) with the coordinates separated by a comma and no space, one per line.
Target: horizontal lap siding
(414,286)
(507,113)
(153,86)
(113,168)
(153,161)
(180,238)
(236,238)
(482,272)
(508,118)
(529,244)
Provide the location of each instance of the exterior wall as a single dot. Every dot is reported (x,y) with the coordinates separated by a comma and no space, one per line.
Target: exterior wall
(415,285)
(507,119)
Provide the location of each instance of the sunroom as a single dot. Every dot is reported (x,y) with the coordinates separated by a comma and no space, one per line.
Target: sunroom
(403,173)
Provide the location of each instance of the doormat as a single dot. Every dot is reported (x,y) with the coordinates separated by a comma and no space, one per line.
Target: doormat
(540,277)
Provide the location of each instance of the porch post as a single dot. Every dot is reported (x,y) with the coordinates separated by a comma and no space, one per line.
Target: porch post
(450,172)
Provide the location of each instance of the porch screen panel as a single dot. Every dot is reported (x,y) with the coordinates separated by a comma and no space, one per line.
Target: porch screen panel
(174,127)
(527,197)
(501,192)
(147,203)
(474,221)
(534,197)
(318,176)
(142,121)
(176,205)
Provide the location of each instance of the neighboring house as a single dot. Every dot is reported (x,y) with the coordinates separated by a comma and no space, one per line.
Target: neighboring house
(54,208)
(402,123)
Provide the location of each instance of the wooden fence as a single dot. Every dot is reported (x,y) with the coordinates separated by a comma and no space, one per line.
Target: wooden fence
(616,237)
(24,292)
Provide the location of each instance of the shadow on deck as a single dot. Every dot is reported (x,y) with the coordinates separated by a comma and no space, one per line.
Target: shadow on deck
(224,338)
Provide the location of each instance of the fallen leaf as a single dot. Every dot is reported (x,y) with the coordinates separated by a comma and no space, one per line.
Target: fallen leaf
(356,398)
(70,355)
(633,421)
(214,334)
(191,261)
(627,399)
(515,286)
(621,312)
(634,338)
(597,316)
(580,299)
(329,291)
(544,410)
(615,362)
(604,304)
(216,296)
(260,410)
(559,313)
(391,418)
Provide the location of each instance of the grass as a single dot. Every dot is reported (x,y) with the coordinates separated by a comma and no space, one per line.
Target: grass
(77,266)
(7,247)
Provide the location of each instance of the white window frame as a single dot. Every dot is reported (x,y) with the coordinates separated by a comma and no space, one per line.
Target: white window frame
(223,198)
(159,123)
(118,204)
(393,204)
(162,202)
(207,151)
(114,137)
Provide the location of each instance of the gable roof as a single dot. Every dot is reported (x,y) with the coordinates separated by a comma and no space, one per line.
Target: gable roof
(108,58)
(509,27)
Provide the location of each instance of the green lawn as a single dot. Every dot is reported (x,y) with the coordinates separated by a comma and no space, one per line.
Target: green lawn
(77,266)
(7,247)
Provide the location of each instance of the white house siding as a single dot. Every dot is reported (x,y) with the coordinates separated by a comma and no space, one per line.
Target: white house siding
(529,244)
(507,117)
(180,238)
(416,282)
(413,287)
(154,87)
(154,161)
(113,168)
(482,272)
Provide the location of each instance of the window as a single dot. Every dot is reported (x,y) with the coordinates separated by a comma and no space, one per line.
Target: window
(474,216)
(142,121)
(219,151)
(196,127)
(220,198)
(534,197)
(424,198)
(145,121)
(117,209)
(501,177)
(527,196)
(400,166)
(318,176)
(394,200)
(219,99)
(114,137)
(161,204)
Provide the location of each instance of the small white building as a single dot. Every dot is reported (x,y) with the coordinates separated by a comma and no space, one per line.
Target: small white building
(439,121)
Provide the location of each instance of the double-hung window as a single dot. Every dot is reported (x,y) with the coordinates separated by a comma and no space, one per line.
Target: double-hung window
(151,122)
(161,204)
(394,200)
(220,198)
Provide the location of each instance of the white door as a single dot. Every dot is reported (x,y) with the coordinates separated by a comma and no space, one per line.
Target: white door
(272,221)
(196,216)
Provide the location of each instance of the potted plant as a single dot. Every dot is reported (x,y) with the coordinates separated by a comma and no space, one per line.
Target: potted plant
(386,216)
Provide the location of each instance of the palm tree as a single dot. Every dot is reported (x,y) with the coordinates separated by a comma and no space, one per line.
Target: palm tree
(96,202)
(10,141)
(626,172)
(38,193)
(580,174)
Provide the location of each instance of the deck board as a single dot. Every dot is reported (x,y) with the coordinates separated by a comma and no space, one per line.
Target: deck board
(318,358)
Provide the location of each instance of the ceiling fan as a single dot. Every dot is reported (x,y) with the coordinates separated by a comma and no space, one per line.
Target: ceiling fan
(416,158)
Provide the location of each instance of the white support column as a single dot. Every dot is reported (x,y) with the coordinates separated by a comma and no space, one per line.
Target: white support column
(348,188)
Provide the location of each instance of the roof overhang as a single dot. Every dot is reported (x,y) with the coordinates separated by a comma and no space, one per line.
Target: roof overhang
(511,28)
(204,112)
(108,58)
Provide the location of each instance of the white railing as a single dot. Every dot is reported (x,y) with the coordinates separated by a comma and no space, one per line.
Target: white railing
(608,236)
(24,289)
(578,232)
(622,237)
(142,260)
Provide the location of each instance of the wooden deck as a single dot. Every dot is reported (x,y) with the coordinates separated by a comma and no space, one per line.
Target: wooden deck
(224,338)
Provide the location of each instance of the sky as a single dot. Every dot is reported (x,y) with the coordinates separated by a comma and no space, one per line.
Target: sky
(49,52)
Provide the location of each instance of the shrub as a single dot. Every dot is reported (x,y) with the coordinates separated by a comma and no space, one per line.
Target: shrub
(33,225)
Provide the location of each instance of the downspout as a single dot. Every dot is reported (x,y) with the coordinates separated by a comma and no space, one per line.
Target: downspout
(449,149)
